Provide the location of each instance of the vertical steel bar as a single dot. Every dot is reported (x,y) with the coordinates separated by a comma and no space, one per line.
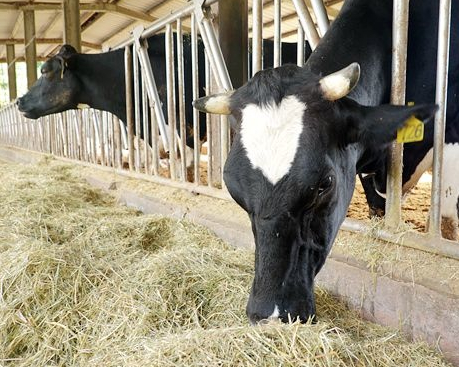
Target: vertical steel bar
(146,130)
(106,137)
(137,118)
(300,48)
(111,125)
(210,153)
(171,101)
(277,34)
(307,22)
(399,51)
(444,29)
(195,79)
(155,140)
(257,36)
(86,135)
(321,16)
(94,131)
(66,135)
(129,105)
(117,143)
(181,100)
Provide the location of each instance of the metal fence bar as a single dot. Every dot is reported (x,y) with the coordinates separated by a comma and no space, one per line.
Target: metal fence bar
(129,105)
(393,215)
(277,33)
(171,100)
(209,128)
(181,100)
(257,36)
(137,118)
(307,22)
(155,139)
(444,28)
(300,47)
(141,51)
(321,15)
(172,17)
(195,86)
(93,133)
(146,130)
(118,159)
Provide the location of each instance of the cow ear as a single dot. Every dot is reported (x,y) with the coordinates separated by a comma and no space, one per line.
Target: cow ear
(66,51)
(377,126)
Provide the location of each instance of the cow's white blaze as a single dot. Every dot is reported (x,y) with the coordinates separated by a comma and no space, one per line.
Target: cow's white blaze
(270,135)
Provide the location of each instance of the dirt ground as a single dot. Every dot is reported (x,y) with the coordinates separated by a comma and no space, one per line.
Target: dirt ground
(415,207)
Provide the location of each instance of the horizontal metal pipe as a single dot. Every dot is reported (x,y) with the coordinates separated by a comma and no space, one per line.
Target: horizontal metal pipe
(161,23)
(418,241)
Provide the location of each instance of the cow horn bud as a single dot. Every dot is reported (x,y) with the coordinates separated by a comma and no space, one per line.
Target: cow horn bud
(340,83)
(216,103)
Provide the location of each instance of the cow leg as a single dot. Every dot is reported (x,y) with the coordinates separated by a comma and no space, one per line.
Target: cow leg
(376,202)
(450,192)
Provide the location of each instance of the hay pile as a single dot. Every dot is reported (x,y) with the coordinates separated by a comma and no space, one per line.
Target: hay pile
(84,282)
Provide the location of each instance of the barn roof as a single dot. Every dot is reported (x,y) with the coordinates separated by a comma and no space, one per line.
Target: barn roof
(109,22)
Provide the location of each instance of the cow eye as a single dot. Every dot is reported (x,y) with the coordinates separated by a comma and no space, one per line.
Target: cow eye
(325,185)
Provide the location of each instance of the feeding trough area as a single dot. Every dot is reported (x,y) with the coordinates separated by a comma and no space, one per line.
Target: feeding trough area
(224,184)
(86,281)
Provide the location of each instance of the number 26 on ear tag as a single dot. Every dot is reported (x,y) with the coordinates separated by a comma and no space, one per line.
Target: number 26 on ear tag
(412,131)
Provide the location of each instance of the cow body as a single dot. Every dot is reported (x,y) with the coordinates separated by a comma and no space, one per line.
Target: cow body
(301,136)
(72,79)
(420,88)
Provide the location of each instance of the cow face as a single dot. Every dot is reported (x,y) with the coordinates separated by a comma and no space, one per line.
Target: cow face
(56,89)
(292,168)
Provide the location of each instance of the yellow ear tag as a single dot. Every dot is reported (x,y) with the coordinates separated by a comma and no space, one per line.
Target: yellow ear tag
(412,131)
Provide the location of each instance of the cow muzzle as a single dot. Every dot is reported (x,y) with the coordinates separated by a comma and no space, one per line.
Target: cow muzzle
(301,309)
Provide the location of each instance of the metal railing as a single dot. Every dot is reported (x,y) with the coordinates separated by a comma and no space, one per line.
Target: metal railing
(160,153)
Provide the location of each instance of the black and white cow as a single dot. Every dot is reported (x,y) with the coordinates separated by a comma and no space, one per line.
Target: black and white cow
(70,79)
(417,157)
(301,136)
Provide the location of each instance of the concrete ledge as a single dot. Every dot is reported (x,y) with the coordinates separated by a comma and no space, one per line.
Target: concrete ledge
(421,311)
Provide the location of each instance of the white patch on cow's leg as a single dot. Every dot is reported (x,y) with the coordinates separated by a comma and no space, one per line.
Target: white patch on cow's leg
(424,165)
(275,313)
(450,191)
(270,135)
(82,106)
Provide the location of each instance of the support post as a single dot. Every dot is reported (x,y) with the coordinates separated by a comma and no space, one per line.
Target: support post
(233,26)
(444,30)
(394,171)
(72,29)
(10,60)
(257,36)
(30,47)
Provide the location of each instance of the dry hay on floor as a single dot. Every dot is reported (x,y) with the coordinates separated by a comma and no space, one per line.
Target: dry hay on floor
(85,282)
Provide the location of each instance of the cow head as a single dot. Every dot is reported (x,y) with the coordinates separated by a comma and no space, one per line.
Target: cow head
(292,168)
(55,90)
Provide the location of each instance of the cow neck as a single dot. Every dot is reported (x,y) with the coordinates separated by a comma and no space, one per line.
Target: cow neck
(102,80)
(361,33)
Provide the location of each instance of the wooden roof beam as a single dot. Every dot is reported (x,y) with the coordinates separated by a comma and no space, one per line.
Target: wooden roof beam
(47,41)
(98,7)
